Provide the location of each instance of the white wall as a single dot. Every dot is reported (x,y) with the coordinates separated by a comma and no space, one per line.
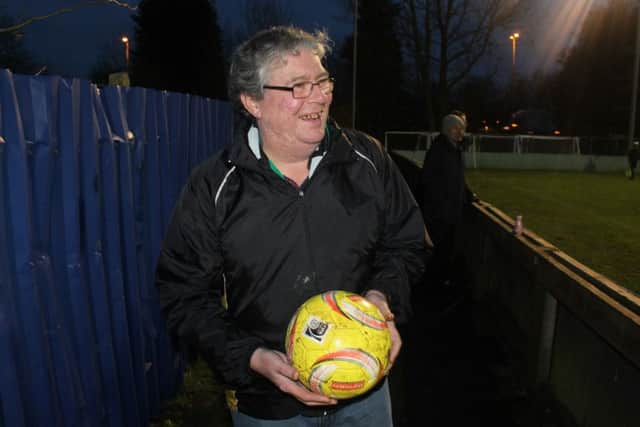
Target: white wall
(569,162)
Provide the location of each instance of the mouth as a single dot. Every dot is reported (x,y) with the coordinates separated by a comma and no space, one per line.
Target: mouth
(311,116)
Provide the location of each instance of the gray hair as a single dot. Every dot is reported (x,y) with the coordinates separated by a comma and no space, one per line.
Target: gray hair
(253,59)
(452,120)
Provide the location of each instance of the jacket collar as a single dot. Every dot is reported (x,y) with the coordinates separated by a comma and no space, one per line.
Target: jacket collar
(448,144)
(245,149)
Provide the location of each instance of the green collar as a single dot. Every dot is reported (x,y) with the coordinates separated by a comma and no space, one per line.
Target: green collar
(321,148)
(275,169)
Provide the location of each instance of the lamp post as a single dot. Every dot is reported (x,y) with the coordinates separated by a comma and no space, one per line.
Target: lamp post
(514,41)
(355,64)
(125,40)
(634,90)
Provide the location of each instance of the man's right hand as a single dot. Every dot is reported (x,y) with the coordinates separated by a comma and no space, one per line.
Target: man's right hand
(276,368)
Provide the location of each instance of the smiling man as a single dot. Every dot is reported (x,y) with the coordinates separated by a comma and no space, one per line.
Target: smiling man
(293,207)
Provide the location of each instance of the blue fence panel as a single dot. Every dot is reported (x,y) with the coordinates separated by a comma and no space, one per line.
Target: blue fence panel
(12,407)
(164,360)
(88,181)
(153,230)
(72,278)
(124,146)
(209,108)
(136,110)
(35,366)
(199,128)
(37,98)
(185,134)
(167,174)
(177,174)
(109,184)
(92,246)
(174,123)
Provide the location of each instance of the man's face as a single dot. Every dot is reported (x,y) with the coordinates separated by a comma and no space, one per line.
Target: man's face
(286,118)
(456,133)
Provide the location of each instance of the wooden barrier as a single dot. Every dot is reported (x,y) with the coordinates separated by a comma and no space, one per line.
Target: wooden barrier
(577,333)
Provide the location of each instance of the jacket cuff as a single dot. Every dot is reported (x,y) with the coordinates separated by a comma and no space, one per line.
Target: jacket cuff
(233,366)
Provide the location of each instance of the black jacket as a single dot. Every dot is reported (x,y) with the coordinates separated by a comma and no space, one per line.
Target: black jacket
(239,226)
(444,190)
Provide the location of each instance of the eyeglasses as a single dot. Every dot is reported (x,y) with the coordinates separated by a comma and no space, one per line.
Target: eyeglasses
(304,89)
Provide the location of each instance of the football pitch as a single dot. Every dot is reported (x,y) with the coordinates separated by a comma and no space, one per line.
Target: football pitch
(594,218)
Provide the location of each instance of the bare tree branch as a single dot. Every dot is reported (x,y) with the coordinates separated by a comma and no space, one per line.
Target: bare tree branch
(31,20)
(462,32)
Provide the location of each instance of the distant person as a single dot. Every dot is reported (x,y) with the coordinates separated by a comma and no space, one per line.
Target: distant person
(294,206)
(633,155)
(445,194)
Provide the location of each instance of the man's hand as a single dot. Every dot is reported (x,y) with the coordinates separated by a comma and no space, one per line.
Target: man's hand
(276,368)
(380,300)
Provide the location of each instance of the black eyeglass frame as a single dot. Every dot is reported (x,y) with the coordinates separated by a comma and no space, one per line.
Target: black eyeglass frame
(291,89)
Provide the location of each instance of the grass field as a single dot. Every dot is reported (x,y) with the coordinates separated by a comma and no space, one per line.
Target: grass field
(595,218)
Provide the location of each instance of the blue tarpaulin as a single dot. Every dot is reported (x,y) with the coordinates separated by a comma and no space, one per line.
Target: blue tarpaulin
(88,179)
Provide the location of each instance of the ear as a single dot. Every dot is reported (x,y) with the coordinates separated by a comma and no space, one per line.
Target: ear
(251,105)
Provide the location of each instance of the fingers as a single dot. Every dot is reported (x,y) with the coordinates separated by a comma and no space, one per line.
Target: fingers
(274,366)
(378,299)
(270,363)
(396,343)
(288,371)
(306,396)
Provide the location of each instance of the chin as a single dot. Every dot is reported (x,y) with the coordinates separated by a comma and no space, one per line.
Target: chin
(312,137)
(313,132)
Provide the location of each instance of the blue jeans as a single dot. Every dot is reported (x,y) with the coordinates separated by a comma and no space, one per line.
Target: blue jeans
(375,410)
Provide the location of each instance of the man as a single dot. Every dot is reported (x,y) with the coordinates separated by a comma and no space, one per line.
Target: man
(444,194)
(295,206)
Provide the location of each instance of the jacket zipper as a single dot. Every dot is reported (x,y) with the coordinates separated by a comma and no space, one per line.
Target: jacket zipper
(307,234)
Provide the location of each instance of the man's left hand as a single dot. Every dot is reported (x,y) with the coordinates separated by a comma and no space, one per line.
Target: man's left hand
(378,299)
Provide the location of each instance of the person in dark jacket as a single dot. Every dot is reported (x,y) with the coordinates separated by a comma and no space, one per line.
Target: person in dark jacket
(293,207)
(632,156)
(444,194)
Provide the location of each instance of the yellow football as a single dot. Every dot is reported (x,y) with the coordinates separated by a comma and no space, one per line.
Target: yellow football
(340,343)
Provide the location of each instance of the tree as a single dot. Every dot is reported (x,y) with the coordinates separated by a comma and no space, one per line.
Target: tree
(178,47)
(256,15)
(591,90)
(445,40)
(13,55)
(111,60)
(14,27)
(481,100)
(379,68)
(261,14)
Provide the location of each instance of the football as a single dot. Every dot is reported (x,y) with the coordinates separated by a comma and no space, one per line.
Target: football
(340,343)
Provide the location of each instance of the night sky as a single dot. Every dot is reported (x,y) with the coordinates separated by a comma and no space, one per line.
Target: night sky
(71,43)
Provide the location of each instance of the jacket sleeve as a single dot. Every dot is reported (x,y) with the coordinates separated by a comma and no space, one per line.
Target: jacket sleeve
(404,245)
(190,284)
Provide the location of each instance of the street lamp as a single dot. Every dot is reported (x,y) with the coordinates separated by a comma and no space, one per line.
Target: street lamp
(125,40)
(514,41)
(355,64)
(634,90)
